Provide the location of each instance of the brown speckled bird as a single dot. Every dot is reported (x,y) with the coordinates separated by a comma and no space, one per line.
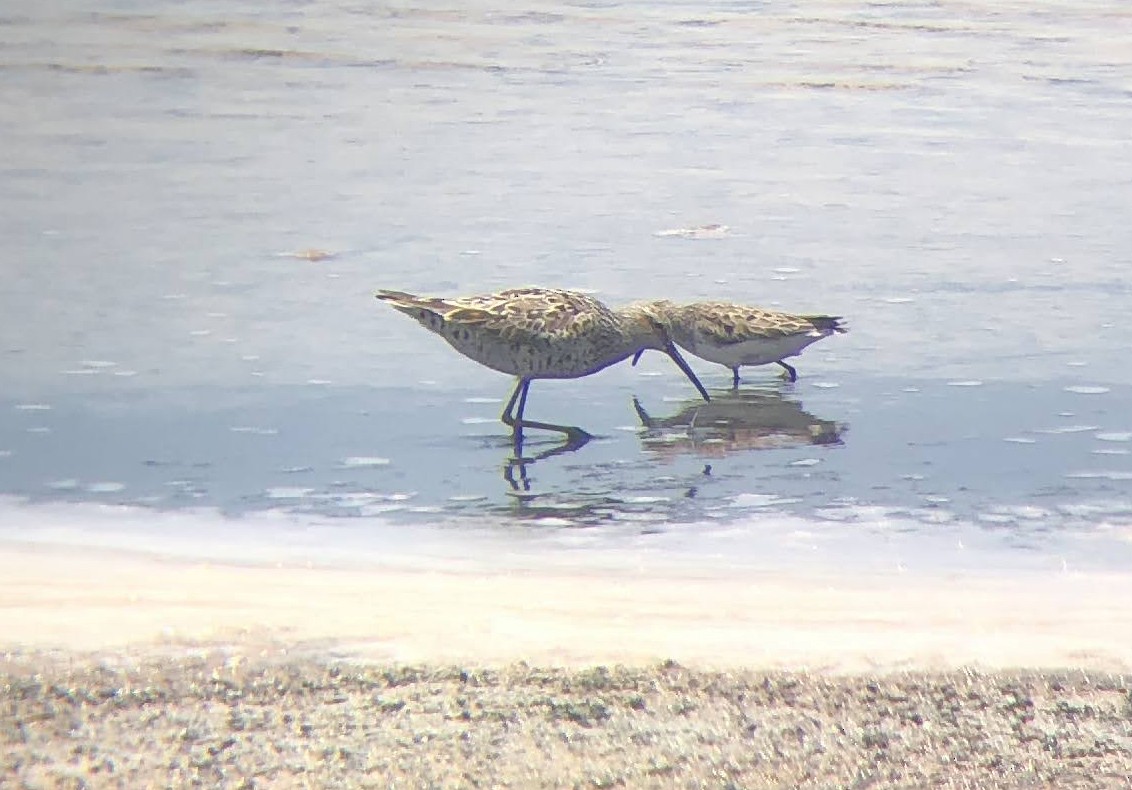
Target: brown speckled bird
(736,335)
(540,333)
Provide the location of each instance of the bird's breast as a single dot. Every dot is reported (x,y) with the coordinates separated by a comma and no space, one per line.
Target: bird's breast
(532,357)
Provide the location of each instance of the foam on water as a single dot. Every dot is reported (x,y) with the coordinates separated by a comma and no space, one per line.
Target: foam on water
(879,539)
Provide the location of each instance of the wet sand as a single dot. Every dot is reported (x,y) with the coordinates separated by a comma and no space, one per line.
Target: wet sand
(132,670)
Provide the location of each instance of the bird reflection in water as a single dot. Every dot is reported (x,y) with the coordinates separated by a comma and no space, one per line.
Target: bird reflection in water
(519,462)
(735,422)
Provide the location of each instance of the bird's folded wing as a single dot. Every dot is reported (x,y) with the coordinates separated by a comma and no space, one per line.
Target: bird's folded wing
(727,328)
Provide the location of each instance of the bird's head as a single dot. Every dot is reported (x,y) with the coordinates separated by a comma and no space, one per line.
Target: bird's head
(648,324)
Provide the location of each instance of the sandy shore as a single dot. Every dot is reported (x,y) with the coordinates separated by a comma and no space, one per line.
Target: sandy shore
(127,670)
(568,614)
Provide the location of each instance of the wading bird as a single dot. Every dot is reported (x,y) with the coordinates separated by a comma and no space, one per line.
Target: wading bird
(540,333)
(736,335)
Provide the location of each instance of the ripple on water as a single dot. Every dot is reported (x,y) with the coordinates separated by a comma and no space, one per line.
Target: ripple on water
(996,518)
(1100,474)
(1025,512)
(556,521)
(1083,390)
(762,500)
(351,499)
(1067,429)
(108,487)
(1092,510)
(288,492)
(711,231)
(363,461)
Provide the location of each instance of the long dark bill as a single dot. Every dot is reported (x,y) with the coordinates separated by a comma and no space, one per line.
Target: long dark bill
(637,357)
(670,349)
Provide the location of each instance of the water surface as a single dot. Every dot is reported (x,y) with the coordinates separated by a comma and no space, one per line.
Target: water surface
(199,200)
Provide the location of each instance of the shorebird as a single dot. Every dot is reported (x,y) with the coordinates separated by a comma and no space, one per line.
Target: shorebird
(736,335)
(540,333)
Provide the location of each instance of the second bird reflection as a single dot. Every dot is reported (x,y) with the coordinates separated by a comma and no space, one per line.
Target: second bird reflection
(735,422)
(732,422)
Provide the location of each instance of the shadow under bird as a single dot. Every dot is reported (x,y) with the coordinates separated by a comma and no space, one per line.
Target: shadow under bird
(540,333)
(735,335)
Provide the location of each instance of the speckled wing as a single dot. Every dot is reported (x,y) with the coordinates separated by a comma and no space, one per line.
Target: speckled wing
(537,315)
(722,324)
(522,315)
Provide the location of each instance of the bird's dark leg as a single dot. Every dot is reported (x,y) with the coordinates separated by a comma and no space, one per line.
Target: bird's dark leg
(516,421)
(575,437)
(790,372)
(522,402)
(517,435)
(520,387)
(735,377)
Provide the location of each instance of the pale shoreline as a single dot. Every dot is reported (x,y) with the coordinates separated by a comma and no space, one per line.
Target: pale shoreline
(565,614)
(129,670)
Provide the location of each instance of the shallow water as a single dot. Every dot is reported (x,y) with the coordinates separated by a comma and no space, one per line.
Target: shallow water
(199,201)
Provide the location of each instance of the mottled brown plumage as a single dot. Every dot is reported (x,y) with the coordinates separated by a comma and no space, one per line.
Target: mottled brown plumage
(539,333)
(736,335)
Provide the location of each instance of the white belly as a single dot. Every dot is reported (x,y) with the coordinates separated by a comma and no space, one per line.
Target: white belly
(755,351)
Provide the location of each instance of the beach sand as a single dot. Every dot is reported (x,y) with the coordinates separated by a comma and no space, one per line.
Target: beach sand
(128,670)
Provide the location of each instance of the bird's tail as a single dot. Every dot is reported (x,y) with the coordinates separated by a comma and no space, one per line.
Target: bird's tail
(419,307)
(422,307)
(400,298)
(828,324)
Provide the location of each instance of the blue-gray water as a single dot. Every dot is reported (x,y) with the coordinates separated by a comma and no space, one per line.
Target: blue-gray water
(955,181)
